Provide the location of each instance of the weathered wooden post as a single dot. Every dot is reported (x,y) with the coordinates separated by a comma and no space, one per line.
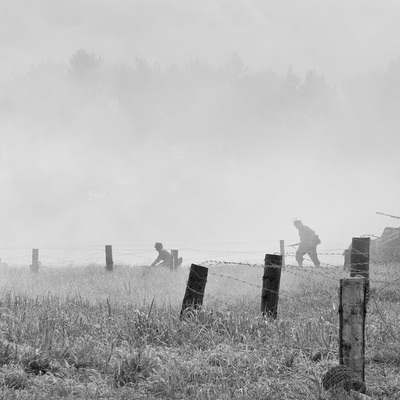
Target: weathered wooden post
(109,258)
(174,259)
(352,312)
(271,283)
(195,288)
(35,261)
(359,259)
(347,262)
(282,248)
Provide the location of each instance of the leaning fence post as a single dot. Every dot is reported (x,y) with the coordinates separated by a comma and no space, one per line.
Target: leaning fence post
(195,288)
(352,311)
(109,258)
(282,248)
(174,259)
(271,283)
(359,259)
(35,261)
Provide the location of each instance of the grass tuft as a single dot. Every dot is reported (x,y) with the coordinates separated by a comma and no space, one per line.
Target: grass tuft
(13,377)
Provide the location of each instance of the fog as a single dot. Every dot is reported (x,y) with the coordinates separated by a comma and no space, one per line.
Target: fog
(186,122)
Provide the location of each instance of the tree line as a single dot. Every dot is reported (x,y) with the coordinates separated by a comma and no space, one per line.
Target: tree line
(193,101)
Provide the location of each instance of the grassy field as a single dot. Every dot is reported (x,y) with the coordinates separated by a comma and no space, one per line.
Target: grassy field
(83,333)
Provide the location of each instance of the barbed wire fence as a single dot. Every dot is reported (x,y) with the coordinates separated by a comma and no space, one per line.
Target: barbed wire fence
(137,255)
(219,261)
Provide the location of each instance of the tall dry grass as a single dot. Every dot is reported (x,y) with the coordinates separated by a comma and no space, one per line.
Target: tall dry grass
(83,333)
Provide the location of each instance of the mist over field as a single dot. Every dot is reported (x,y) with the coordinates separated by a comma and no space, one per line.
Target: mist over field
(197,122)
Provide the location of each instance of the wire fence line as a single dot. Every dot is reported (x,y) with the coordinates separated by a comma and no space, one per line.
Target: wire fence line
(330,273)
(331,269)
(330,276)
(135,255)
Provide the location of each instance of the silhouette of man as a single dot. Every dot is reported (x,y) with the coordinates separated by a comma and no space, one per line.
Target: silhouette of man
(164,258)
(309,241)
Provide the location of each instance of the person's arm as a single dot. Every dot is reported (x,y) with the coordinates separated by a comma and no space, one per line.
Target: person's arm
(156,261)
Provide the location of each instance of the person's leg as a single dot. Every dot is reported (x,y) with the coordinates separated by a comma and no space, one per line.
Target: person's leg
(314,257)
(299,256)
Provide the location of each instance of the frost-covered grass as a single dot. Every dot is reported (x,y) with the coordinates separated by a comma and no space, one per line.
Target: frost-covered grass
(83,333)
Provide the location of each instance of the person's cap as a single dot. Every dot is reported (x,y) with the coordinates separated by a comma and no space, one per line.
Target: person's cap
(158,244)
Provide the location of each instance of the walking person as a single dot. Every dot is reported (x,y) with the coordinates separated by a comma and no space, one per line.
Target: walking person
(309,241)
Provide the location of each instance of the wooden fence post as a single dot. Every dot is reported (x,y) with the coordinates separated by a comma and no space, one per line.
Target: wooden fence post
(35,261)
(359,259)
(347,262)
(282,248)
(195,288)
(352,311)
(109,258)
(271,283)
(174,259)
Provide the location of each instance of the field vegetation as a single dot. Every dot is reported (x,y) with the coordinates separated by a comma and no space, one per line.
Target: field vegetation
(83,333)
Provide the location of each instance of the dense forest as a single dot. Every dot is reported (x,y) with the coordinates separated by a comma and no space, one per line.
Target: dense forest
(180,103)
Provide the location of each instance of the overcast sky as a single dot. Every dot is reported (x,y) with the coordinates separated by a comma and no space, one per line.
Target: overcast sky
(336,193)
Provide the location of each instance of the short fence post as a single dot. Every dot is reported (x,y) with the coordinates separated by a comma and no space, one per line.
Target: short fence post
(109,258)
(359,259)
(271,283)
(282,248)
(347,263)
(195,288)
(35,261)
(352,311)
(174,259)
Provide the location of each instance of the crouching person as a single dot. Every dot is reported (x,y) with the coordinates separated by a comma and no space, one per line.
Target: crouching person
(164,258)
